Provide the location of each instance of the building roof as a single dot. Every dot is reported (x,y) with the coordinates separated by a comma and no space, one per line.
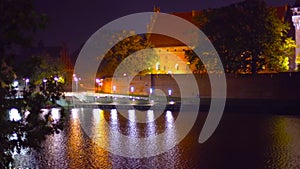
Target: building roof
(159,40)
(282,12)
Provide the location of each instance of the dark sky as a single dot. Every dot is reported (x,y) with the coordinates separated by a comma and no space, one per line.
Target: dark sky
(73,21)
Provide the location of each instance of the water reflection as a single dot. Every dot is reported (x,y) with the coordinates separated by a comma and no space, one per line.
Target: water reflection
(150,116)
(100,130)
(151,126)
(14,115)
(169,118)
(284,152)
(100,157)
(127,136)
(55,113)
(74,114)
(172,138)
(75,141)
(24,159)
(114,115)
(241,141)
(132,125)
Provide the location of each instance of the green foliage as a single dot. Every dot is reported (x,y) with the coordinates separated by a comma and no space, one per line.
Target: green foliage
(123,48)
(7,75)
(192,57)
(279,57)
(41,67)
(248,36)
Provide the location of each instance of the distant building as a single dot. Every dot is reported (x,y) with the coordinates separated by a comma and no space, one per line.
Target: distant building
(171,51)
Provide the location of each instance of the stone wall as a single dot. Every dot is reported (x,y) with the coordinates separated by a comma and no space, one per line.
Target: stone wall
(262,86)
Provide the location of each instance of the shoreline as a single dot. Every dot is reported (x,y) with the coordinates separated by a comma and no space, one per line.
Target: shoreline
(273,106)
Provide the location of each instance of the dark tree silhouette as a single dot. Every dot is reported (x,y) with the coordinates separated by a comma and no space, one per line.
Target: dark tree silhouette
(249,37)
(19,21)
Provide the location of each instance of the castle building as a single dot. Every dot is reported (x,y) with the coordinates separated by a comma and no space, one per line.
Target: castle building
(171,51)
(167,47)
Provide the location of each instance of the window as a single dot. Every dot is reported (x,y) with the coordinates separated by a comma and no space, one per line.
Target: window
(157,66)
(176,66)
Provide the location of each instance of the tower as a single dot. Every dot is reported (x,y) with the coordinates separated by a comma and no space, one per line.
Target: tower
(296,22)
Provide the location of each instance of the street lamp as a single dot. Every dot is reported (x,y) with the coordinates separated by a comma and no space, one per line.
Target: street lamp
(76,83)
(56,79)
(44,82)
(170,92)
(150,95)
(151,90)
(101,82)
(26,82)
(114,89)
(15,84)
(98,83)
(132,90)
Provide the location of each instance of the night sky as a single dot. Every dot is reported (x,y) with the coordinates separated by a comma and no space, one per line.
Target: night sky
(73,21)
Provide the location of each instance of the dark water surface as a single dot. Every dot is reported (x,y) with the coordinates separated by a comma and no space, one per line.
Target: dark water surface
(242,140)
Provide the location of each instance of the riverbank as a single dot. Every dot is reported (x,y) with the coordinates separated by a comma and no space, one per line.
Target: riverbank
(274,106)
(238,86)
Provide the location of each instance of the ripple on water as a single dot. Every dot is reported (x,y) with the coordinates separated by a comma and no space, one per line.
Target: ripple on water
(283,150)
(234,145)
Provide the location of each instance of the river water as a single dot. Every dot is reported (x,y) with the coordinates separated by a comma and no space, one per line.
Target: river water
(242,140)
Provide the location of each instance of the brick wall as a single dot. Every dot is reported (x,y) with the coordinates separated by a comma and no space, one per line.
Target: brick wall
(283,85)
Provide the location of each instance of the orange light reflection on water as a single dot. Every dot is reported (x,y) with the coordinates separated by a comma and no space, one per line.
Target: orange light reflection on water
(74,145)
(285,138)
(83,150)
